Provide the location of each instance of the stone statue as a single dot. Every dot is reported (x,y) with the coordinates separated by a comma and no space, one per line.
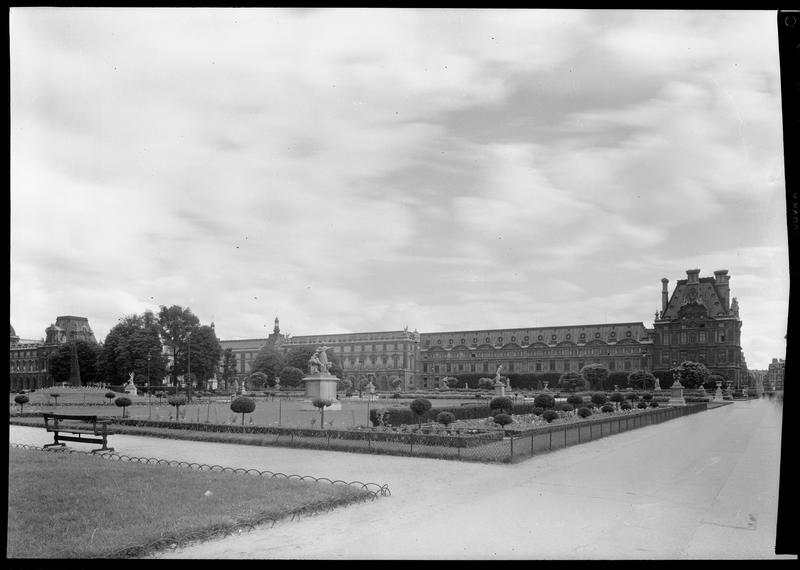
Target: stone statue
(735,307)
(318,363)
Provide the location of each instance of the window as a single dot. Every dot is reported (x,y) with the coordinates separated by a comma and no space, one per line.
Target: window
(627,364)
(436,369)
(683,338)
(702,336)
(552,365)
(538,366)
(612,365)
(665,338)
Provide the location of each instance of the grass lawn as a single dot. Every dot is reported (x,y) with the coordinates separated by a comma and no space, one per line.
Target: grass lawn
(79,506)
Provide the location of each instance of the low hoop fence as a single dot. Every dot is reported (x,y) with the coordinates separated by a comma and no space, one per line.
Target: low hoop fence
(172,542)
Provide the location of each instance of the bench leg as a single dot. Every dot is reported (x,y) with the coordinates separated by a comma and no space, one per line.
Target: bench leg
(55,442)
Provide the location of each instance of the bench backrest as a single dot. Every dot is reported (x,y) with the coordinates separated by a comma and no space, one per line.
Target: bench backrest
(59,417)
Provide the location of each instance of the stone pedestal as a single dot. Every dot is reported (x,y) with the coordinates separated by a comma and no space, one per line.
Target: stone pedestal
(131,389)
(499,390)
(676,395)
(321,386)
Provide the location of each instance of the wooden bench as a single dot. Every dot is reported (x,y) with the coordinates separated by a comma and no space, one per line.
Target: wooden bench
(94,430)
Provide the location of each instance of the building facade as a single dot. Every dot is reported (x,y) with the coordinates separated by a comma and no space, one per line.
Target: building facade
(774,376)
(29,359)
(698,322)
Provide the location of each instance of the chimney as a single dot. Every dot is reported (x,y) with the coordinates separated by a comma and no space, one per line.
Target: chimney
(692,276)
(664,294)
(721,278)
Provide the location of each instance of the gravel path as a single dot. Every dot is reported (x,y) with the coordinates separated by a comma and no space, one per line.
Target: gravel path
(701,486)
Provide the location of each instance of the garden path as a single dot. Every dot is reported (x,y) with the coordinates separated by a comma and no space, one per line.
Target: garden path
(700,486)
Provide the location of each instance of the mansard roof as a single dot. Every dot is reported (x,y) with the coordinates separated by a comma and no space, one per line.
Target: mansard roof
(702,298)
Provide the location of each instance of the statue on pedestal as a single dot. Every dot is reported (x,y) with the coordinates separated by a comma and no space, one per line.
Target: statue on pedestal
(130,387)
(318,363)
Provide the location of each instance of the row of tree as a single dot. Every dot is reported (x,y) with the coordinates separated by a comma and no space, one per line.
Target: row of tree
(136,344)
(595,377)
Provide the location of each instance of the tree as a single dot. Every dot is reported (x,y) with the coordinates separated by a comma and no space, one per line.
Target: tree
(616,397)
(291,376)
(692,374)
(257,380)
(270,361)
(123,402)
(599,398)
(641,380)
(205,353)
(110,396)
(243,405)
(88,354)
(711,383)
(345,384)
(228,367)
(575,400)
(595,375)
(419,407)
(361,385)
(127,347)
(572,382)
(321,405)
(175,325)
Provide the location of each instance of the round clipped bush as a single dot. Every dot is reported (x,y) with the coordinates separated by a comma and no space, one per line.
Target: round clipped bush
(110,396)
(550,415)
(565,407)
(584,412)
(55,396)
(607,408)
(22,399)
(318,403)
(641,405)
(626,406)
(503,403)
(633,396)
(419,407)
(653,404)
(503,420)
(616,397)
(446,418)
(537,411)
(545,401)
(599,398)
(575,400)
(177,400)
(123,402)
(243,405)
(647,397)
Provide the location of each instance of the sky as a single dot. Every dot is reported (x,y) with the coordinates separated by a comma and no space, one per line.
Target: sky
(354,170)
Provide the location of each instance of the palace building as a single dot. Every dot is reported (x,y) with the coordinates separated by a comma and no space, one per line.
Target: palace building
(699,322)
(28,359)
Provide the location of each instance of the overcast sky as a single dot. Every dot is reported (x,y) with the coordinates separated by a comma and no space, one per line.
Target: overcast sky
(360,170)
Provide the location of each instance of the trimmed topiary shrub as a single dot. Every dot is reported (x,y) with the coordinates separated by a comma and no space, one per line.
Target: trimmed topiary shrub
(537,411)
(110,396)
(545,401)
(653,404)
(243,405)
(647,397)
(550,415)
(55,396)
(447,418)
(584,412)
(599,398)
(641,405)
(503,420)
(318,403)
(616,397)
(626,406)
(607,408)
(565,407)
(419,407)
(502,403)
(177,401)
(633,396)
(575,400)
(21,400)
(123,402)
